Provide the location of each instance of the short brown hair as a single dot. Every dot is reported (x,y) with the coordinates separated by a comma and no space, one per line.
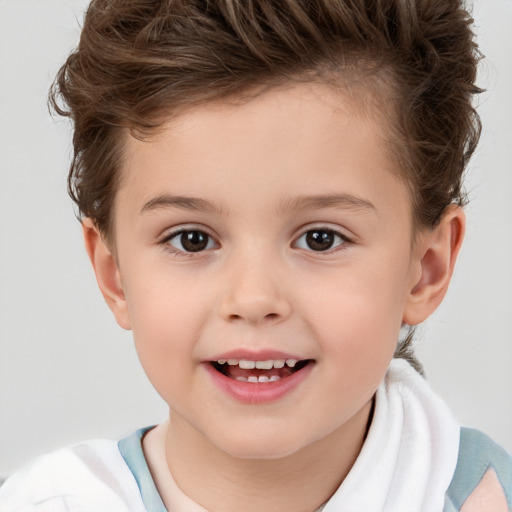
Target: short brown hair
(140,61)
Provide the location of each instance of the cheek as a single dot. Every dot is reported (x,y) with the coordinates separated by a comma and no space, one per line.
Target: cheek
(164,306)
(165,320)
(358,313)
(358,333)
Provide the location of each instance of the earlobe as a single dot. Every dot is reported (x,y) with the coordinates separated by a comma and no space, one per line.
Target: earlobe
(437,252)
(107,272)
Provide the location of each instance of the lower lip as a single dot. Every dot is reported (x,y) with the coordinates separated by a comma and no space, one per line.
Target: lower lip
(258,392)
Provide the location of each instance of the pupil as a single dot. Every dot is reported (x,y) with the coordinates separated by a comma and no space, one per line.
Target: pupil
(194,241)
(320,240)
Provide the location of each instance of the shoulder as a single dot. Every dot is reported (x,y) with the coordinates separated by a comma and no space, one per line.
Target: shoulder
(483,477)
(85,477)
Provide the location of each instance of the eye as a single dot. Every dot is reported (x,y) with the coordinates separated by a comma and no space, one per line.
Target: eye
(320,240)
(191,240)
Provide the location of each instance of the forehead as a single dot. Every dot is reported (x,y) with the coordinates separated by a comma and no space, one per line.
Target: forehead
(285,140)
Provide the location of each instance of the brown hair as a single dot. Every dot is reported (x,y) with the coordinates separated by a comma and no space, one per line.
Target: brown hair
(140,61)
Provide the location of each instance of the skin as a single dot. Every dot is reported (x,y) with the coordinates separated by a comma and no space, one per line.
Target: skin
(265,168)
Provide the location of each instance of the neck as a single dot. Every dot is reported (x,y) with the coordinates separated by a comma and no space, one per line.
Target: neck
(220,482)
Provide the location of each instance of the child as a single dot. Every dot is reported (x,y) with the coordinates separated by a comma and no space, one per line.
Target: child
(270,191)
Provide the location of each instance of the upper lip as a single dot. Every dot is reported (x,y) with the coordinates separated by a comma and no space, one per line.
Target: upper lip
(256,355)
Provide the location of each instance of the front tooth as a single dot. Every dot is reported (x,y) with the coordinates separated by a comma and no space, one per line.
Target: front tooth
(233,362)
(279,363)
(252,378)
(241,379)
(221,361)
(263,378)
(275,378)
(264,365)
(246,365)
(291,362)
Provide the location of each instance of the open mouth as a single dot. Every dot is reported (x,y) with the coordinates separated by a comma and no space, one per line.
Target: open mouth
(271,370)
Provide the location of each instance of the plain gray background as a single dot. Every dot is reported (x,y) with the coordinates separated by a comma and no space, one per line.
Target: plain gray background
(68,372)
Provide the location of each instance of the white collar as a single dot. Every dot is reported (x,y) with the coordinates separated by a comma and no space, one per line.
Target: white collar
(409,457)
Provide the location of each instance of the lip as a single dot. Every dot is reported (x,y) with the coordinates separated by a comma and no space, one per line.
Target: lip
(257,393)
(255,355)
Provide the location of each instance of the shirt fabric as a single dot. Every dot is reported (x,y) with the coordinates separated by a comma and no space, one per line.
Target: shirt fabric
(109,476)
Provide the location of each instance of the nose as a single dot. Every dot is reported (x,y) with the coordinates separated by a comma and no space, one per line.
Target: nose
(254,293)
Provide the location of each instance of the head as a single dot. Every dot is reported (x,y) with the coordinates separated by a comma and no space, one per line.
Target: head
(401,72)
(140,63)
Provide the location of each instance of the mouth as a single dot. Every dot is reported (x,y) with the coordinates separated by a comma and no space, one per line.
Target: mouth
(265,371)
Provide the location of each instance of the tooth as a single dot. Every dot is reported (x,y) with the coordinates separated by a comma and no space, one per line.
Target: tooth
(232,362)
(241,379)
(263,378)
(252,378)
(221,361)
(264,365)
(291,362)
(246,365)
(279,363)
(275,378)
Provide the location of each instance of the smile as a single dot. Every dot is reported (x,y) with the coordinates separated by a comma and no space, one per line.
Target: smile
(258,379)
(266,371)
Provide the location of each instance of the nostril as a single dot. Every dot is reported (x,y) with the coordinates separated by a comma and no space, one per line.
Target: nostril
(254,308)
(268,317)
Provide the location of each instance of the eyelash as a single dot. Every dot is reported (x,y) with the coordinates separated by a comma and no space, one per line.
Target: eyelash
(166,242)
(340,245)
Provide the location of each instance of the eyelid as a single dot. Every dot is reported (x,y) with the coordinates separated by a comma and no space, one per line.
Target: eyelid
(169,233)
(345,233)
(346,240)
(175,232)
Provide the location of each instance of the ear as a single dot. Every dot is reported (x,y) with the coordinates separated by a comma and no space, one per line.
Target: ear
(437,251)
(107,272)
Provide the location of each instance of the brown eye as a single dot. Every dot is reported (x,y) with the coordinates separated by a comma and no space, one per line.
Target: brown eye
(191,241)
(320,240)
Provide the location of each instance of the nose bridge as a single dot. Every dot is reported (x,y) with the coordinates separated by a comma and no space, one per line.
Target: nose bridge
(253,290)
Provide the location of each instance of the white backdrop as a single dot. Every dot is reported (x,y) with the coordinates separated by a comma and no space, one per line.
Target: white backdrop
(68,373)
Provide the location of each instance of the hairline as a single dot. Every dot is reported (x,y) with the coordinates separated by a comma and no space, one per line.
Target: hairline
(355,86)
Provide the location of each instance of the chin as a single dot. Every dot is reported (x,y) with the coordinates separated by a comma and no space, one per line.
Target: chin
(260,447)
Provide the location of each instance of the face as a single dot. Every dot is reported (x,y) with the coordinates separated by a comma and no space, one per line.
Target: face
(265,259)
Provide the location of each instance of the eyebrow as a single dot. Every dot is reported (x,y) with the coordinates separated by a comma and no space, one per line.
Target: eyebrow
(180,202)
(338,201)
